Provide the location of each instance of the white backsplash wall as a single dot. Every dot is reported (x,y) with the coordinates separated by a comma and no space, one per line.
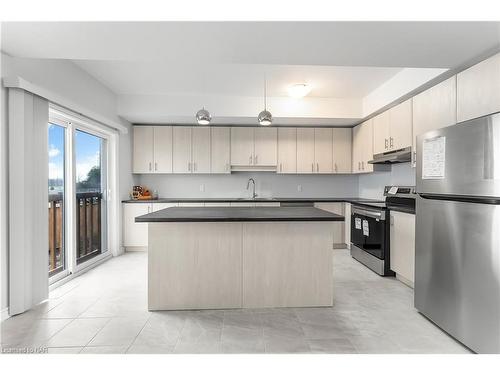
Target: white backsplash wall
(267,185)
(372,185)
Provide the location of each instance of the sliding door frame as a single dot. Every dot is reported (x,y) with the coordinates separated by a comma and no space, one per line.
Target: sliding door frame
(110,243)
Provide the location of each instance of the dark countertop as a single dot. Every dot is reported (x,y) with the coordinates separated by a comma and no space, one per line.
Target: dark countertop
(224,214)
(286,200)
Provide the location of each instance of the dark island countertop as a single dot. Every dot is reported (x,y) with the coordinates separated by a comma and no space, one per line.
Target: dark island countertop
(247,214)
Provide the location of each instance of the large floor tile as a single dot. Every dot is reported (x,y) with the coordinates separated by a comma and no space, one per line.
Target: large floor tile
(119,331)
(104,350)
(65,350)
(77,333)
(370,314)
(332,346)
(286,345)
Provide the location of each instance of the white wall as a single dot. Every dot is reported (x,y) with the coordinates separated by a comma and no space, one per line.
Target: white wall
(3,199)
(67,80)
(372,185)
(267,184)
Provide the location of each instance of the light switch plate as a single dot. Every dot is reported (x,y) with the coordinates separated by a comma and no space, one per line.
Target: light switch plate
(299,187)
(202,188)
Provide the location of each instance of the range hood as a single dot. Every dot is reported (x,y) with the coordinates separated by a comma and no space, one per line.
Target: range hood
(392,157)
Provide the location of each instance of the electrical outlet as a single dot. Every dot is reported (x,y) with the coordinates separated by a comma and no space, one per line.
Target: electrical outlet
(299,187)
(202,188)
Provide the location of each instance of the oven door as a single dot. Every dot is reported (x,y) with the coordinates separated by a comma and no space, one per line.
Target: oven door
(368,230)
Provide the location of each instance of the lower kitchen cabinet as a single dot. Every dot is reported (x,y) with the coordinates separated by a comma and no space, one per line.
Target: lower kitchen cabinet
(403,246)
(135,235)
(337,226)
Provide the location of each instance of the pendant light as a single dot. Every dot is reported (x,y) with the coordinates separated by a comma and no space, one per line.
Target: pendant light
(265,118)
(203,117)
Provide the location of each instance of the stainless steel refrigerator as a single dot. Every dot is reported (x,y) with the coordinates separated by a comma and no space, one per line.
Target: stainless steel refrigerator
(457,265)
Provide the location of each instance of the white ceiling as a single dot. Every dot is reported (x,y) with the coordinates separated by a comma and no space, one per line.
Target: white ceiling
(380,44)
(145,78)
(163,71)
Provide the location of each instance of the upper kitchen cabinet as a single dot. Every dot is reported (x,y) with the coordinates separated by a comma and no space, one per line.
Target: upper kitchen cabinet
(392,129)
(191,149)
(434,108)
(362,150)
(323,150)
(143,149)
(287,150)
(342,150)
(254,147)
(242,143)
(162,146)
(152,149)
(221,150)
(182,149)
(381,133)
(400,125)
(314,150)
(266,146)
(200,150)
(305,150)
(478,89)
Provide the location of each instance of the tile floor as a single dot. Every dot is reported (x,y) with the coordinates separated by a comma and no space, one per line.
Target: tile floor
(105,311)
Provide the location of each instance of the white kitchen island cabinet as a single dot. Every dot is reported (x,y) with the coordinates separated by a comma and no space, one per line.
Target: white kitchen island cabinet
(239,257)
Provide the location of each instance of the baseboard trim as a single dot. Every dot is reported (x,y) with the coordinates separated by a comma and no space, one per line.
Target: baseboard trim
(4,314)
(129,249)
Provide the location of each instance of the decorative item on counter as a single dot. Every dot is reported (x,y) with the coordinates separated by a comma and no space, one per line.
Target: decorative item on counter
(141,193)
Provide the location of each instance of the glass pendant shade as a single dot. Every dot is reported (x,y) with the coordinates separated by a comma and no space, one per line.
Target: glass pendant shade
(265,118)
(203,117)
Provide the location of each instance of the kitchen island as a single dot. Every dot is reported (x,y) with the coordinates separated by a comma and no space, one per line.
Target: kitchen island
(239,257)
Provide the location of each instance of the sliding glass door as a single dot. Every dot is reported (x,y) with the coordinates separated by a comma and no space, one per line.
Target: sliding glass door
(77,200)
(90,182)
(57,199)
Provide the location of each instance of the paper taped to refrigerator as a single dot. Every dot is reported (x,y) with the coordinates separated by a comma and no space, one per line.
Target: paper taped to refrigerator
(357,223)
(366,228)
(433,158)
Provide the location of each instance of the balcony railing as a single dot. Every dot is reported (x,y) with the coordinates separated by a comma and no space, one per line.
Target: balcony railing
(88,229)
(56,233)
(88,226)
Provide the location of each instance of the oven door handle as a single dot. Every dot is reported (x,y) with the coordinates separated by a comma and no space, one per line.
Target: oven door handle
(374,214)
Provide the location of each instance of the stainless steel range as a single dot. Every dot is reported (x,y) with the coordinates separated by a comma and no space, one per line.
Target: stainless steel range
(370,238)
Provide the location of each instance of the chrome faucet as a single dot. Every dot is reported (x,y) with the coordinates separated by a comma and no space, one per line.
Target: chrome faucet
(248,185)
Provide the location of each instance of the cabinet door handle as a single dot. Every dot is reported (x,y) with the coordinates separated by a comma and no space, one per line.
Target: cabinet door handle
(335,167)
(150,166)
(385,140)
(312,167)
(250,160)
(189,166)
(391,144)
(317,167)
(156,166)
(195,167)
(363,165)
(281,167)
(359,165)
(256,159)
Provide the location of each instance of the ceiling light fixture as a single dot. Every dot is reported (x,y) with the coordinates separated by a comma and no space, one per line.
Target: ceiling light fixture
(203,117)
(265,117)
(299,90)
